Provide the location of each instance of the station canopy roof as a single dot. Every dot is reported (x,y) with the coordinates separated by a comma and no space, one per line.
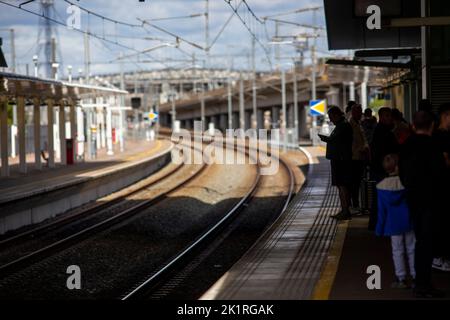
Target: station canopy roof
(373,76)
(346,24)
(14,85)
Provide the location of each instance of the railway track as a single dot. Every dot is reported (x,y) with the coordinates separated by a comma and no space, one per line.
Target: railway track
(172,274)
(118,204)
(53,262)
(156,277)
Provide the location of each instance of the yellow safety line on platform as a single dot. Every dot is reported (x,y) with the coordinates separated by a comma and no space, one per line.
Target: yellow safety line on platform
(325,284)
(145,153)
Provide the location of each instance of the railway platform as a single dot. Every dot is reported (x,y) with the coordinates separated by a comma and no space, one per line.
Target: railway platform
(48,178)
(32,197)
(356,248)
(308,255)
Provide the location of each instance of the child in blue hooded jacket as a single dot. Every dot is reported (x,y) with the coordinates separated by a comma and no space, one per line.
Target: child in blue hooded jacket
(394,220)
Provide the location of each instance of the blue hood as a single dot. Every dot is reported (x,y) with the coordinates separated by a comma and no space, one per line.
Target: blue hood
(393,212)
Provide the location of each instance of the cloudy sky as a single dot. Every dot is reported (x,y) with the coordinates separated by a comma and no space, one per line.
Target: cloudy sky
(233,46)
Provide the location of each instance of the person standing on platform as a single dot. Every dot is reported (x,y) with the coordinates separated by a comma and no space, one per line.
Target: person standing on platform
(421,170)
(425,105)
(402,130)
(368,124)
(339,152)
(383,144)
(348,109)
(442,138)
(394,220)
(360,154)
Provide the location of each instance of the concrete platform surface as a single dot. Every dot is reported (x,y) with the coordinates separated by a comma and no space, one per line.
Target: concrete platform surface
(361,249)
(20,185)
(286,262)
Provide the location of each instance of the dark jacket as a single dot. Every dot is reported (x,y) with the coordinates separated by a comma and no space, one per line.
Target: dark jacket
(383,143)
(369,125)
(422,168)
(339,143)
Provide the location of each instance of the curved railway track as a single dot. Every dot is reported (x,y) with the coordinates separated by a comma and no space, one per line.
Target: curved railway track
(156,277)
(84,232)
(191,252)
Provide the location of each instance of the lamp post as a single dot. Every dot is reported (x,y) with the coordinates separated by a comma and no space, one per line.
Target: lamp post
(283,105)
(174,117)
(35,62)
(69,71)
(55,67)
(80,75)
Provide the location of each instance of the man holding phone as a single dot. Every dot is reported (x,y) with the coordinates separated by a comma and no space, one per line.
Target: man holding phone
(339,152)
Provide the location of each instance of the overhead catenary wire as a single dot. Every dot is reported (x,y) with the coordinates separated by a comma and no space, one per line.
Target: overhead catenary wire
(103,17)
(89,33)
(141,25)
(246,25)
(293,12)
(304,25)
(145,22)
(256,26)
(251,11)
(223,27)
(195,15)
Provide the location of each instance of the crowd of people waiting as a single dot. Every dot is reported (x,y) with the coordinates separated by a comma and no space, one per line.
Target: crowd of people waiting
(410,166)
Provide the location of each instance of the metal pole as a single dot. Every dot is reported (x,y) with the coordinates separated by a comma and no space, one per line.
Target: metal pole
(157,119)
(202,109)
(73,128)
(283,105)
(313,70)
(364,88)
(35,61)
(277,48)
(50,144)
(255,117)
(87,57)
(69,70)
(174,115)
(241,104)
(351,91)
(109,142)
(313,73)
(4,136)
(80,137)
(13,52)
(21,134)
(14,131)
(194,75)
(54,71)
(295,105)
(230,105)
(122,104)
(37,133)
(136,111)
(364,95)
(62,133)
(423,33)
(207,32)
(344,93)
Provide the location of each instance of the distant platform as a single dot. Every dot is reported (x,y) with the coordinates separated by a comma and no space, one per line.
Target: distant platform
(20,185)
(41,194)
